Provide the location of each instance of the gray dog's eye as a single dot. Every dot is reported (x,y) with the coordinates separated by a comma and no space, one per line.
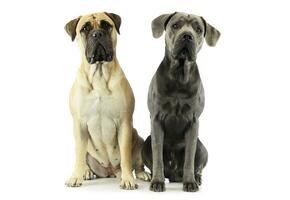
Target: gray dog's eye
(198,29)
(175,26)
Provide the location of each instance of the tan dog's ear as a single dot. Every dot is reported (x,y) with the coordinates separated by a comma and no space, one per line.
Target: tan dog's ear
(71,26)
(158,25)
(116,19)
(211,34)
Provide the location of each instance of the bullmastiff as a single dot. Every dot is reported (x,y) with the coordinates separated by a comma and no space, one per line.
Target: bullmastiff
(102,105)
(175,102)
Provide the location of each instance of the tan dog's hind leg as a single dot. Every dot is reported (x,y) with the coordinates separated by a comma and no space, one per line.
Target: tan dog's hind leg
(125,143)
(138,163)
(81,171)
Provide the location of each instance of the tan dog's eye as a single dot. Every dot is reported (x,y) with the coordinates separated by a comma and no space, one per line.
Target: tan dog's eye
(86,27)
(105,25)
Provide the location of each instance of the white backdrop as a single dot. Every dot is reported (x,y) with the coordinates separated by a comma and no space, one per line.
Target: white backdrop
(245,124)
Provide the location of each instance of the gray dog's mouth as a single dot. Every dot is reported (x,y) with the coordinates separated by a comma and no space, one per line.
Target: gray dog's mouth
(100,54)
(185,47)
(184,52)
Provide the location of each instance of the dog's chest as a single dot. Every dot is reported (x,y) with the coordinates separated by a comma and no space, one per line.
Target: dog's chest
(102,118)
(101,111)
(177,114)
(179,105)
(101,104)
(176,106)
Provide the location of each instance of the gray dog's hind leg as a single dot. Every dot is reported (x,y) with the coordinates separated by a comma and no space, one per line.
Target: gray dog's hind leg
(201,157)
(147,153)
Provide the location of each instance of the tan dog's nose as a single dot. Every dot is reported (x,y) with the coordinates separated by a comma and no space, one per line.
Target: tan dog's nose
(98,34)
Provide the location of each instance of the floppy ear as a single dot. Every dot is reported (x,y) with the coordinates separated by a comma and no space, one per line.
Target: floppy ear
(211,34)
(71,26)
(116,19)
(158,25)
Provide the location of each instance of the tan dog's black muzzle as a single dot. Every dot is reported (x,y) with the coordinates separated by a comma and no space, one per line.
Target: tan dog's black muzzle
(98,34)
(99,46)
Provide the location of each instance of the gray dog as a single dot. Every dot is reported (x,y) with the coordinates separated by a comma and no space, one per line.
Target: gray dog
(175,102)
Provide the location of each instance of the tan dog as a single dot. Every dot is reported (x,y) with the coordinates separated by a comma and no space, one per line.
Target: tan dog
(102,105)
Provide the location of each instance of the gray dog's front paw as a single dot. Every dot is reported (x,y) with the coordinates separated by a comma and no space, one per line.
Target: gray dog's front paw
(157,186)
(190,187)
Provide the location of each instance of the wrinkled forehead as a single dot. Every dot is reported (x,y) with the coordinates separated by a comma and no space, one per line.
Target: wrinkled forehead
(184,17)
(94,19)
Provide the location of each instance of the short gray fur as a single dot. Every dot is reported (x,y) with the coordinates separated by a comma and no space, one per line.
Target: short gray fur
(175,102)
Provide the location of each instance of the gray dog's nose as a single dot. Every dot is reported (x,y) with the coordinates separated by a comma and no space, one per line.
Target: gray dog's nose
(187,36)
(98,34)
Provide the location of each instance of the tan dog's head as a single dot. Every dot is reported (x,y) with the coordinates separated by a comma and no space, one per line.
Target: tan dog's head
(96,35)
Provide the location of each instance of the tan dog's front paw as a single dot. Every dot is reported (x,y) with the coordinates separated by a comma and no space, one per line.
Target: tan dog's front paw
(74,181)
(128,184)
(145,176)
(77,179)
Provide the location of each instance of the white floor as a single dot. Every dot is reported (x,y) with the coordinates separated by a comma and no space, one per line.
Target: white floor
(110,188)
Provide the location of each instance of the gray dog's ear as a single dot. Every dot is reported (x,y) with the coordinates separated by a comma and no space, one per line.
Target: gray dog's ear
(158,25)
(116,19)
(211,34)
(71,26)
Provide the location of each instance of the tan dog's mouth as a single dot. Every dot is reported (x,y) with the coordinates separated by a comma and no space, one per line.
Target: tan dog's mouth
(100,54)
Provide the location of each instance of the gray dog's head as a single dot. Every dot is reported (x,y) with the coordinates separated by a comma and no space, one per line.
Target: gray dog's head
(185,34)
